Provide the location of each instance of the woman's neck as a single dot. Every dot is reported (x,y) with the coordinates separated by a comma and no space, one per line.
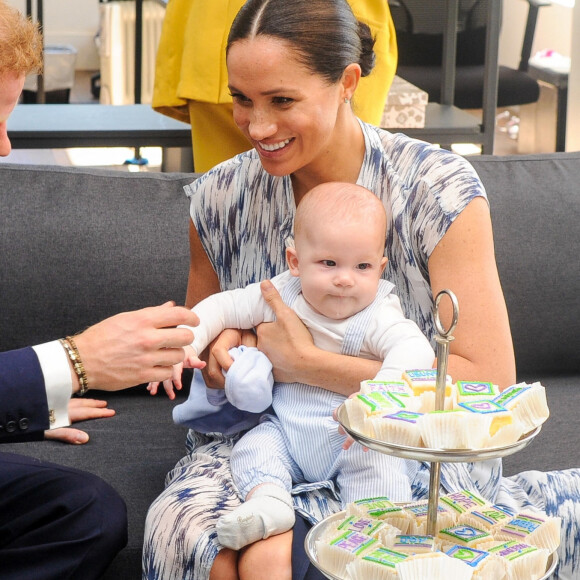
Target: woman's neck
(342,161)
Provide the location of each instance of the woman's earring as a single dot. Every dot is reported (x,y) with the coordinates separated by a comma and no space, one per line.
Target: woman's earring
(346,100)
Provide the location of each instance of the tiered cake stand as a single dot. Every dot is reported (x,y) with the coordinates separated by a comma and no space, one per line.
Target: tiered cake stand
(432,456)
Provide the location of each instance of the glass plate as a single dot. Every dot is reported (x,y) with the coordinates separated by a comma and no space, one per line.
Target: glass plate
(316,532)
(439,455)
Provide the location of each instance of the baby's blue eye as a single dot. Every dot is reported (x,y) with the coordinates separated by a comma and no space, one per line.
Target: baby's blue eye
(329,263)
(363,266)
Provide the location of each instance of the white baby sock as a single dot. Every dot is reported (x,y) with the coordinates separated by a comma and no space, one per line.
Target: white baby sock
(268,512)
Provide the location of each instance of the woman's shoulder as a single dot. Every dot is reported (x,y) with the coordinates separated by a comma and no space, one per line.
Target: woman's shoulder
(408,155)
(409,168)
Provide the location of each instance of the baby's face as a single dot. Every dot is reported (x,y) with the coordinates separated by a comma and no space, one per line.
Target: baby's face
(340,267)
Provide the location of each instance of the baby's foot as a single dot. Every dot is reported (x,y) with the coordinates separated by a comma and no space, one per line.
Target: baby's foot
(268,512)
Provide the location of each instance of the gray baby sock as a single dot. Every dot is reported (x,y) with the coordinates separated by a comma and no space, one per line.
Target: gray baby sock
(268,512)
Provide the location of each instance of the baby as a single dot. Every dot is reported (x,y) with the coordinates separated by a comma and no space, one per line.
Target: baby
(334,285)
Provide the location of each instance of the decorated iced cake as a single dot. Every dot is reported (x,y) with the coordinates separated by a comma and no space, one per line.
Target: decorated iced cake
(476,415)
(476,540)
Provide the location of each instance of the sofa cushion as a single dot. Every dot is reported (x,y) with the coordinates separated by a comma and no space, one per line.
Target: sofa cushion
(556,445)
(535,208)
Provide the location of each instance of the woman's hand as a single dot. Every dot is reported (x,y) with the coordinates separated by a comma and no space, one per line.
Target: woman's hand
(286,341)
(218,358)
(79,410)
(289,346)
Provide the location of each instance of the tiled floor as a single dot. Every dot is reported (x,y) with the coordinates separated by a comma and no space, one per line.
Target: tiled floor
(81,93)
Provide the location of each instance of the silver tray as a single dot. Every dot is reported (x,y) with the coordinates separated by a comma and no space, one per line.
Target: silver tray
(438,455)
(316,532)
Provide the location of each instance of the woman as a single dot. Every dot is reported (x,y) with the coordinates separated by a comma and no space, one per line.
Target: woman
(191,80)
(293,69)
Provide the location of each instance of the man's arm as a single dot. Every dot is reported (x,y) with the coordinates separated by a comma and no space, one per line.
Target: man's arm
(24,413)
(120,352)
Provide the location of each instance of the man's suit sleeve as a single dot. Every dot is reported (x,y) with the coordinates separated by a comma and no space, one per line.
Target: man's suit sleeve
(23,406)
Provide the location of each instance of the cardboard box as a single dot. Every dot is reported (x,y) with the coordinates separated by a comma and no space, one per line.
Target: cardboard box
(405,106)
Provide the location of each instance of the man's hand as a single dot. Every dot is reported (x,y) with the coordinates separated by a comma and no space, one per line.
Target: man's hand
(79,410)
(136,347)
(286,341)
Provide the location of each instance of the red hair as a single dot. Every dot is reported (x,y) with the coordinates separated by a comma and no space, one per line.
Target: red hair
(20,42)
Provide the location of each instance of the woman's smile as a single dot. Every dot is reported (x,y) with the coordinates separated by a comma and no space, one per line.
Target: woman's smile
(270,147)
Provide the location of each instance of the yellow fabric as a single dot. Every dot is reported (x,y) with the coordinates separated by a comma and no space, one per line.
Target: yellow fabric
(371,94)
(191,67)
(214,135)
(191,58)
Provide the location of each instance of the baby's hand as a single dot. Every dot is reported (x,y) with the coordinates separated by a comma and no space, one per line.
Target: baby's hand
(191,360)
(169,384)
(349,440)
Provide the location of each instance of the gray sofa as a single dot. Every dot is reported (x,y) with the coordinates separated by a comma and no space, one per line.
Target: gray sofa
(78,245)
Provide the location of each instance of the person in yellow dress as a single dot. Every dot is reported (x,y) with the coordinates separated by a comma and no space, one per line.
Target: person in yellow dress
(191,82)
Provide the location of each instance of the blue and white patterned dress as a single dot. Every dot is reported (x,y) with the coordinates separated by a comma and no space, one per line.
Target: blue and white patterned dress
(243,216)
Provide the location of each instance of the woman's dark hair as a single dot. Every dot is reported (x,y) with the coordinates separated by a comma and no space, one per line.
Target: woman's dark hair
(324,33)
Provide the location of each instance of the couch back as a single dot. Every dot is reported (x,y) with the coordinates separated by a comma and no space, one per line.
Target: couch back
(78,245)
(535,207)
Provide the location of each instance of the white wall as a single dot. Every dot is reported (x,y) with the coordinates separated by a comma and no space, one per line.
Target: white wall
(553,30)
(558,28)
(74,22)
(572,132)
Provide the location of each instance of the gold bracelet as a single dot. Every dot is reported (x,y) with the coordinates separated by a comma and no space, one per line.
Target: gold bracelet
(75,358)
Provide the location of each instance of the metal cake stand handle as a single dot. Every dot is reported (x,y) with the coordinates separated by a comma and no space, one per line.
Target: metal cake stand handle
(443,338)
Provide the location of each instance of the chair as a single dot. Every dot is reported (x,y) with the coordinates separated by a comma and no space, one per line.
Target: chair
(421,27)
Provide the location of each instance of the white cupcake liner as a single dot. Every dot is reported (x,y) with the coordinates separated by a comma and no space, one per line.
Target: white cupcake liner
(395,431)
(433,566)
(454,430)
(530,566)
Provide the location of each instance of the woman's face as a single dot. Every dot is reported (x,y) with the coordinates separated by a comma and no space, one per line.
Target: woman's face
(287,112)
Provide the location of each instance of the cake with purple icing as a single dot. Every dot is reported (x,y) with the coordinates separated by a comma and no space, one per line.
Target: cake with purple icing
(399,428)
(523,562)
(527,403)
(532,528)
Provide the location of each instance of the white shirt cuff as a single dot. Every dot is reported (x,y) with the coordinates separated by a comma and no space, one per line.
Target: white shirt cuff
(57,381)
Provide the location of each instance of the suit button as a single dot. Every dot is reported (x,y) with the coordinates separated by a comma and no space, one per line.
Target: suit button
(10,426)
(23,424)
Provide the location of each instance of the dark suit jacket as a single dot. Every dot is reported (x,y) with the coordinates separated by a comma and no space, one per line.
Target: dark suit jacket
(23,405)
